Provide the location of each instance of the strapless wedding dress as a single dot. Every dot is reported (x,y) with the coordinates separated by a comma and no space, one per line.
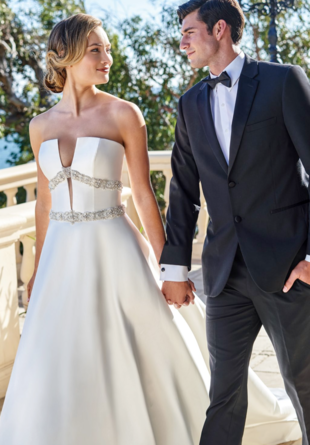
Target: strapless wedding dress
(103,360)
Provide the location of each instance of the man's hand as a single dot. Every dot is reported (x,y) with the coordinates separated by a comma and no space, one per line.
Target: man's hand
(179,293)
(301,272)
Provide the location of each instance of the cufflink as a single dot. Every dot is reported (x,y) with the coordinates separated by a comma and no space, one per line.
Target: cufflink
(163,269)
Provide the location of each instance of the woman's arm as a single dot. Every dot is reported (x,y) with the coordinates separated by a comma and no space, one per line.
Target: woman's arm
(133,131)
(43,204)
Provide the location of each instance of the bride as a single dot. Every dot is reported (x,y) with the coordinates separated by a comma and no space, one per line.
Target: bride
(103,359)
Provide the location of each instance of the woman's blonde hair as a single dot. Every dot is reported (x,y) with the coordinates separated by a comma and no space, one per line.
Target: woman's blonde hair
(66,46)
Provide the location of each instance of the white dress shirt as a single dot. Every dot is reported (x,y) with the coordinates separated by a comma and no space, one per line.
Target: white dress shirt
(222,101)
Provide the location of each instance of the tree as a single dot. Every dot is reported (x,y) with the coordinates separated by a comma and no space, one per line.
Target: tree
(22,46)
(148,70)
(293,35)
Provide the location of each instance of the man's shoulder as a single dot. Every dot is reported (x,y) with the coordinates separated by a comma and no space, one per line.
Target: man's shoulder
(193,91)
(273,68)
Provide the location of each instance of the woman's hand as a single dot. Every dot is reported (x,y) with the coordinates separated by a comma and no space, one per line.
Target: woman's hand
(178,293)
(30,285)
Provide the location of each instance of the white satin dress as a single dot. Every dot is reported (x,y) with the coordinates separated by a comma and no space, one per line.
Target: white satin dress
(103,360)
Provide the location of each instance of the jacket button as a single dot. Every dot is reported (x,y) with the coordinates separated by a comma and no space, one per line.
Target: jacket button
(238,219)
(232,184)
(163,269)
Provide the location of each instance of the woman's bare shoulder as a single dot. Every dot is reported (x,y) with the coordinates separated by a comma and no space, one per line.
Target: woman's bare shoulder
(37,127)
(122,107)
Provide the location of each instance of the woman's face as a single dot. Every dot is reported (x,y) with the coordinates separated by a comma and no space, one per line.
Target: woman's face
(95,66)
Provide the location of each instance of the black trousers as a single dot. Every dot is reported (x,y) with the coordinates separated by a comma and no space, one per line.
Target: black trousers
(234,319)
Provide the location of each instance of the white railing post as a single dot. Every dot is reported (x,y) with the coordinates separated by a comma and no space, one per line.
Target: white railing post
(30,190)
(26,235)
(11,196)
(19,258)
(202,224)
(27,265)
(130,206)
(168,175)
(9,316)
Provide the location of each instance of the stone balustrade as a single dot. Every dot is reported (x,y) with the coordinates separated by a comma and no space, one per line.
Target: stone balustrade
(26,176)
(14,226)
(19,176)
(17,225)
(161,161)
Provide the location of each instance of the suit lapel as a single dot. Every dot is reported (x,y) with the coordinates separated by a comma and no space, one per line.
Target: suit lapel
(246,93)
(205,114)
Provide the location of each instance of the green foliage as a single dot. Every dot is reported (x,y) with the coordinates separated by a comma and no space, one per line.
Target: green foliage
(148,68)
(23,40)
(150,71)
(293,35)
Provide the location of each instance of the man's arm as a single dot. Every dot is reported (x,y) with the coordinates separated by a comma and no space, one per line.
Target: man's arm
(182,217)
(171,272)
(296,113)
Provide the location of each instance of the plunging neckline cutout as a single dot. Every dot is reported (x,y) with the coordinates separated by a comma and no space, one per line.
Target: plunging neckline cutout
(74,151)
(69,182)
(75,147)
(76,142)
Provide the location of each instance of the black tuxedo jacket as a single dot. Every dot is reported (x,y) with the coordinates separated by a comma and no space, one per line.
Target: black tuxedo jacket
(260,200)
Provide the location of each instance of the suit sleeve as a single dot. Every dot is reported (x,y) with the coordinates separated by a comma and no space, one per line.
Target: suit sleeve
(184,199)
(296,112)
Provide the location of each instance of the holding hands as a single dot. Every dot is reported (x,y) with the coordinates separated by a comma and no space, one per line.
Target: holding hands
(179,293)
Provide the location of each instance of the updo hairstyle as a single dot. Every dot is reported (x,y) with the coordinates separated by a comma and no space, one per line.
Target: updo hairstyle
(66,46)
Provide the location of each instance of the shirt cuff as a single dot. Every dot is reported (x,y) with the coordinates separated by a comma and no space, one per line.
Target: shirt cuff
(307,258)
(171,272)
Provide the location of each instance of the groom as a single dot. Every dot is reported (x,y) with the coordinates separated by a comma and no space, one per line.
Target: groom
(242,132)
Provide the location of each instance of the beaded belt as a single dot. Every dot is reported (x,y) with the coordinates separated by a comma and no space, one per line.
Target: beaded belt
(67,173)
(73,217)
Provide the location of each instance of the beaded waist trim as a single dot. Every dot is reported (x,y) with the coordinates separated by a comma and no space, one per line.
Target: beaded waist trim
(67,172)
(73,217)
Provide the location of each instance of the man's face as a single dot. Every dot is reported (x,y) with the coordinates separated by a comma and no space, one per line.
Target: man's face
(199,45)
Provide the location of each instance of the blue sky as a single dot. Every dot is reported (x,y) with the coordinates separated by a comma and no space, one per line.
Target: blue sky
(120,9)
(127,8)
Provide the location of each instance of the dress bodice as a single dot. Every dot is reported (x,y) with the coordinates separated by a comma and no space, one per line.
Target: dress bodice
(95,175)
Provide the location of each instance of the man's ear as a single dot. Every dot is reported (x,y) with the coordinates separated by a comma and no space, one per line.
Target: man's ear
(219,29)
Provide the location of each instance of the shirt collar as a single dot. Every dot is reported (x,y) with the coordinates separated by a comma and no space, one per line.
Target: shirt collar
(234,69)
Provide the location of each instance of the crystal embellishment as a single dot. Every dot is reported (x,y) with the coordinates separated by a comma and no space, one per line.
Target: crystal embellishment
(67,172)
(73,217)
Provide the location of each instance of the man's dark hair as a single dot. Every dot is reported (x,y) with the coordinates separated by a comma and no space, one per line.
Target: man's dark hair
(211,11)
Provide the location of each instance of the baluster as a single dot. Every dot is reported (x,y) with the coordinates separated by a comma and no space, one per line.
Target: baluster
(9,320)
(130,207)
(168,176)
(27,266)
(30,190)
(202,228)
(19,258)
(11,196)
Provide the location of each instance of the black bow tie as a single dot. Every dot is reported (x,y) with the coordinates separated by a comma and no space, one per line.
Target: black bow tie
(223,78)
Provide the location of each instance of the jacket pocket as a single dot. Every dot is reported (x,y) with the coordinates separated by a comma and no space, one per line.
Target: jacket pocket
(281,209)
(261,124)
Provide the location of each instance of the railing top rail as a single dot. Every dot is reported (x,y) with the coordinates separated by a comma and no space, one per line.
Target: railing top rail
(18,173)
(25,174)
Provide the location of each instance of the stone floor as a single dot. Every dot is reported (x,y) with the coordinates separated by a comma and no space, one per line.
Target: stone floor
(263,360)
(292,443)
